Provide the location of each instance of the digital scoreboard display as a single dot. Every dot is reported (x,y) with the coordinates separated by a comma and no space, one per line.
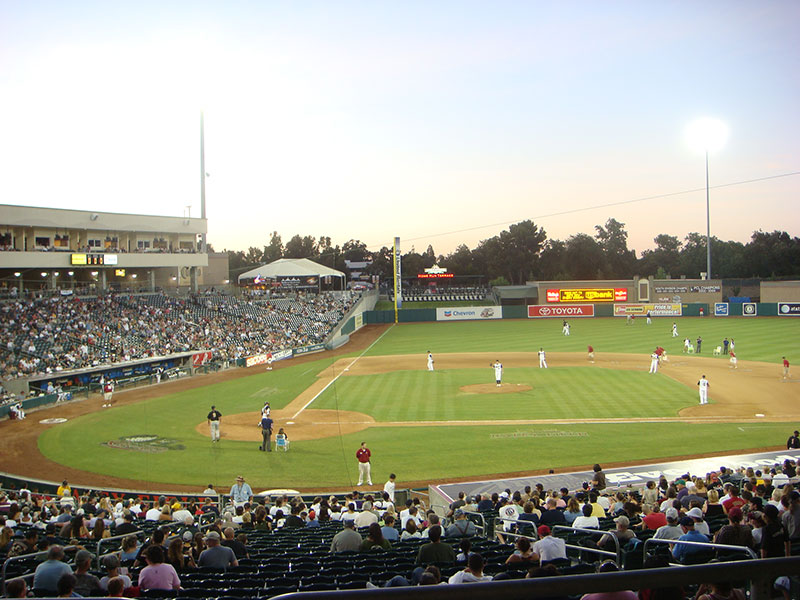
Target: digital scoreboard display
(588,295)
(81,258)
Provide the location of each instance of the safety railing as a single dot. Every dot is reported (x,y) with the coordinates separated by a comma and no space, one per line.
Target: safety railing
(708,545)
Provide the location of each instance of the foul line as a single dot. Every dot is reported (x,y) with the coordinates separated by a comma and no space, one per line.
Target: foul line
(318,394)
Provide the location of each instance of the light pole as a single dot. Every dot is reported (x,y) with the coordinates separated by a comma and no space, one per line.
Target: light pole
(707,135)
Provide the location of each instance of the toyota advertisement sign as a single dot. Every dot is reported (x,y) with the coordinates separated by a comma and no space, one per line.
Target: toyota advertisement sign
(561,311)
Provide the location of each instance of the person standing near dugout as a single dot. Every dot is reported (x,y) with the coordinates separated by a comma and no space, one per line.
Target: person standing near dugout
(214,418)
(363,455)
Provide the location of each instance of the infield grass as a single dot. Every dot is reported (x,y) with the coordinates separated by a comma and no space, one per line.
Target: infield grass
(430,453)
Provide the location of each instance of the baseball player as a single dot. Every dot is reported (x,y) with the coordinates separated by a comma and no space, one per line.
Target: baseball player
(649,319)
(270,360)
(703,386)
(265,410)
(565,328)
(591,353)
(654,363)
(785,368)
(108,392)
(734,360)
(674,329)
(430,361)
(214,418)
(498,372)
(542,359)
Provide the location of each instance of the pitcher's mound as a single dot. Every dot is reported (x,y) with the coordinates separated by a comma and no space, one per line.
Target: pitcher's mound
(491,388)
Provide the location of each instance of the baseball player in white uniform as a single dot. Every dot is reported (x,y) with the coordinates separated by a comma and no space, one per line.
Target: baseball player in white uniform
(565,328)
(266,410)
(498,372)
(674,329)
(703,386)
(542,359)
(654,363)
(430,361)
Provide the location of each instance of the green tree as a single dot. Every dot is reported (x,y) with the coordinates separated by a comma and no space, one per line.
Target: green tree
(583,257)
(297,247)
(274,250)
(620,262)
(522,244)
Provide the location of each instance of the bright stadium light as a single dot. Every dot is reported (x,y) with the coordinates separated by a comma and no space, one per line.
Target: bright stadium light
(707,135)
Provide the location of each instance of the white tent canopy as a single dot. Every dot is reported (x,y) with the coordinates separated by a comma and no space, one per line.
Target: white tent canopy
(290,267)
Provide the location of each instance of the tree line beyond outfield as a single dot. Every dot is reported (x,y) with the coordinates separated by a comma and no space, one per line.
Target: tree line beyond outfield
(524,253)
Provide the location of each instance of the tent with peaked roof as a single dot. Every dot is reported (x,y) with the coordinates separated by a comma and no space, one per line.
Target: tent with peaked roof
(291,272)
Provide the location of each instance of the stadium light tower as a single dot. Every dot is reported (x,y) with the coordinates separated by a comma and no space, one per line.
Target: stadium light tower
(707,135)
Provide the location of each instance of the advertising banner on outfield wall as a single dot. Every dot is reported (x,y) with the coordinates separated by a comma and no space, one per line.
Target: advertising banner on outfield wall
(789,309)
(282,354)
(469,313)
(655,310)
(309,349)
(721,309)
(562,311)
(201,358)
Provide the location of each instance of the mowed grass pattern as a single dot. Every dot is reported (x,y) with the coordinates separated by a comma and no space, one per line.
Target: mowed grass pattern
(557,393)
(431,453)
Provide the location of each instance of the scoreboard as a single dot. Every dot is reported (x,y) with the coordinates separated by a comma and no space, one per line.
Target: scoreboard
(89,259)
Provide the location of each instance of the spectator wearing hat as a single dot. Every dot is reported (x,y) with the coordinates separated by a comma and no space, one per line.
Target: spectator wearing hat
(111,565)
(699,524)
(241,491)
(774,538)
(734,533)
(180,514)
(622,533)
(461,527)
(215,555)
(681,551)
(672,530)
(548,548)
(85,582)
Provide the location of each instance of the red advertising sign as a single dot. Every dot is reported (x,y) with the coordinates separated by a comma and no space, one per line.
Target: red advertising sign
(562,311)
(435,275)
(201,358)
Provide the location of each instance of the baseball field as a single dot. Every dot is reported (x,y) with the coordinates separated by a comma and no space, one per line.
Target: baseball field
(453,423)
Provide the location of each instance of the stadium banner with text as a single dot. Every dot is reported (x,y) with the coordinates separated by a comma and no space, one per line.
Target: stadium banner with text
(358,321)
(587,295)
(721,309)
(201,358)
(309,349)
(655,310)
(542,311)
(789,309)
(305,281)
(258,359)
(282,354)
(469,313)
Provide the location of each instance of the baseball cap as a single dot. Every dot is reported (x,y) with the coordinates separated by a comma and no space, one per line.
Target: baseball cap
(459,512)
(671,513)
(212,535)
(622,520)
(111,561)
(687,522)
(680,482)
(543,530)
(695,512)
(176,506)
(82,556)
(735,513)
(187,536)
(239,478)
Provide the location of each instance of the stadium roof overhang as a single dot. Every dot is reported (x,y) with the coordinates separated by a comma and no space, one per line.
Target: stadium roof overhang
(290,267)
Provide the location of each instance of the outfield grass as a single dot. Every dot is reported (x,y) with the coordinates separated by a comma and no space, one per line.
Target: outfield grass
(432,453)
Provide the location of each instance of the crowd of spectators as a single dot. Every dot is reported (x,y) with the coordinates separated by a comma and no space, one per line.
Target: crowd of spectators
(746,508)
(53,335)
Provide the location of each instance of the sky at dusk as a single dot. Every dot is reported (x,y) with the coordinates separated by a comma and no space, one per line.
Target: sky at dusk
(439,122)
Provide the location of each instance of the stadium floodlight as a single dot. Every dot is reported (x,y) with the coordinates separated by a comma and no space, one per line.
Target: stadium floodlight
(707,135)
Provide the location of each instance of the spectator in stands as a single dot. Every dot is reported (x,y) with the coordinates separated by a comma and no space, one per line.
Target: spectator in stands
(16,588)
(572,512)
(375,540)
(700,525)
(75,529)
(774,537)
(712,507)
(622,533)
(610,567)
(473,573)
(456,504)
(367,516)
(461,527)
(719,591)
(523,553)
(587,520)
(179,556)
(111,566)
(734,533)
(85,582)
(216,555)
(116,587)
(388,530)
(653,517)
(48,573)
(158,575)
(410,531)
(435,551)
(681,551)
(672,530)
(230,541)
(650,493)
(347,540)
(791,517)
(127,525)
(65,588)
(130,548)
(551,515)
(599,478)
(548,548)
(734,500)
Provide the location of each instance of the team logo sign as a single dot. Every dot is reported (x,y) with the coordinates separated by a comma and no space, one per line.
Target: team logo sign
(750,309)
(789,309)
(148,443)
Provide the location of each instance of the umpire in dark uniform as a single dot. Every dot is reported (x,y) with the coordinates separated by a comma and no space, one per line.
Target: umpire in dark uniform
(266,433)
